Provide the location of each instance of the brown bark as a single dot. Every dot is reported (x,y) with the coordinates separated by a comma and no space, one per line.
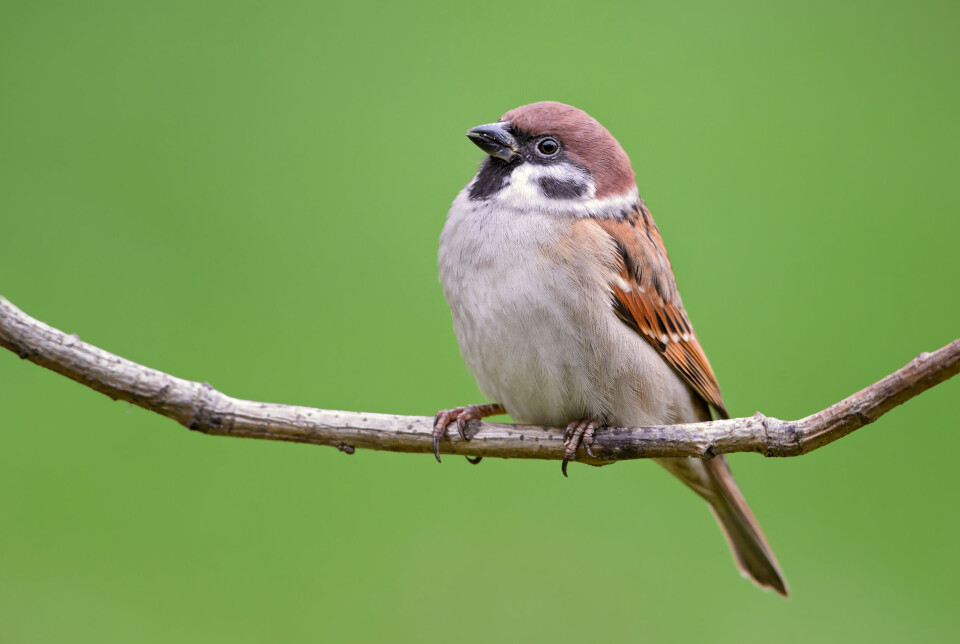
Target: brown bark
(202,408)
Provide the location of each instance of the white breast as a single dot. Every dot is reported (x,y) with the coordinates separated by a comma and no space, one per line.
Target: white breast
(535,325)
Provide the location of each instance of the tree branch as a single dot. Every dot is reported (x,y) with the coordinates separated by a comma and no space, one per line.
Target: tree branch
(200,407)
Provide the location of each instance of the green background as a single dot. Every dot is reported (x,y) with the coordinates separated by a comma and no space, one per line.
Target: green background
(250,194)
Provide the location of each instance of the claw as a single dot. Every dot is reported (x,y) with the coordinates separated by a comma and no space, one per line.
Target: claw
(579,432)
(468,423)
(587,439)
(473,460)
(440,423)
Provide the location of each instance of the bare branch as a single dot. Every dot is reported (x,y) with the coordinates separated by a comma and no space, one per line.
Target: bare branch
(202,408)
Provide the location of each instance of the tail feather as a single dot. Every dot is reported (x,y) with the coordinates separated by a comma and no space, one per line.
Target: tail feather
(753,554)
(713,480)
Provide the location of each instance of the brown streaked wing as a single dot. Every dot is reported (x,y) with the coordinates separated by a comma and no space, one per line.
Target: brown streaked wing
(647,300)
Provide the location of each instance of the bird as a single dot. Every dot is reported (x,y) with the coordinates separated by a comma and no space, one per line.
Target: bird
(566,309)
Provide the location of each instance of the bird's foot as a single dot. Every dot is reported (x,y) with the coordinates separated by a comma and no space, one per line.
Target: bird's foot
(579,432)
(468,423)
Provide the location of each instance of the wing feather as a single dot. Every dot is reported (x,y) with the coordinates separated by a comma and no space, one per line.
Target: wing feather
(645,297)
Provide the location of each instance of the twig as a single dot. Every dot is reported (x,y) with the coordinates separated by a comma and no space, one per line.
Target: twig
(202,408)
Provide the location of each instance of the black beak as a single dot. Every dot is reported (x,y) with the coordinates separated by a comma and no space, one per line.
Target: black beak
(495,140)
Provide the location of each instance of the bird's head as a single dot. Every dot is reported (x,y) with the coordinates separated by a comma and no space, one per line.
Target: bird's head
(551,156)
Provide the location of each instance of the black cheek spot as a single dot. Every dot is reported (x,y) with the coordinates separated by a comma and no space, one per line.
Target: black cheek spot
(559,189)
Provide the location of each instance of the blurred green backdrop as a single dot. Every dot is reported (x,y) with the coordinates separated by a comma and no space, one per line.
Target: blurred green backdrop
(250,194)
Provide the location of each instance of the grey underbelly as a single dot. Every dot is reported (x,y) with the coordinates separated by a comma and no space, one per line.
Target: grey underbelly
(533,364)
(539,332)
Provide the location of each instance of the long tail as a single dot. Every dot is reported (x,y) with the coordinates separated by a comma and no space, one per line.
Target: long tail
(712,480)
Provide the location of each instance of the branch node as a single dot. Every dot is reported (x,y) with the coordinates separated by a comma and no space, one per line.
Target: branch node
(208,417)
(781,438)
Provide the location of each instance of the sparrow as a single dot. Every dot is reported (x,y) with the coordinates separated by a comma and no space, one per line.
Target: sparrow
(566,309)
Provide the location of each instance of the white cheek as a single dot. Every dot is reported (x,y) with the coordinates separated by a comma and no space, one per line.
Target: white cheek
(526,180)
(523,193)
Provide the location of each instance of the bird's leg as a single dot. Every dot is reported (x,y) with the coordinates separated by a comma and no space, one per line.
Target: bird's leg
(579,432)
(468,423)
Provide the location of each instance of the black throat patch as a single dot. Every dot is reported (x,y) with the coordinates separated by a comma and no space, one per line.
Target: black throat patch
(494,176)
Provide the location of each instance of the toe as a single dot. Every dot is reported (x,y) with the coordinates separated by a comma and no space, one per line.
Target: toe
(440,422)
(463,419)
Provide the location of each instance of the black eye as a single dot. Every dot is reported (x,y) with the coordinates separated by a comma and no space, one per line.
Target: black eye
(548,146)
